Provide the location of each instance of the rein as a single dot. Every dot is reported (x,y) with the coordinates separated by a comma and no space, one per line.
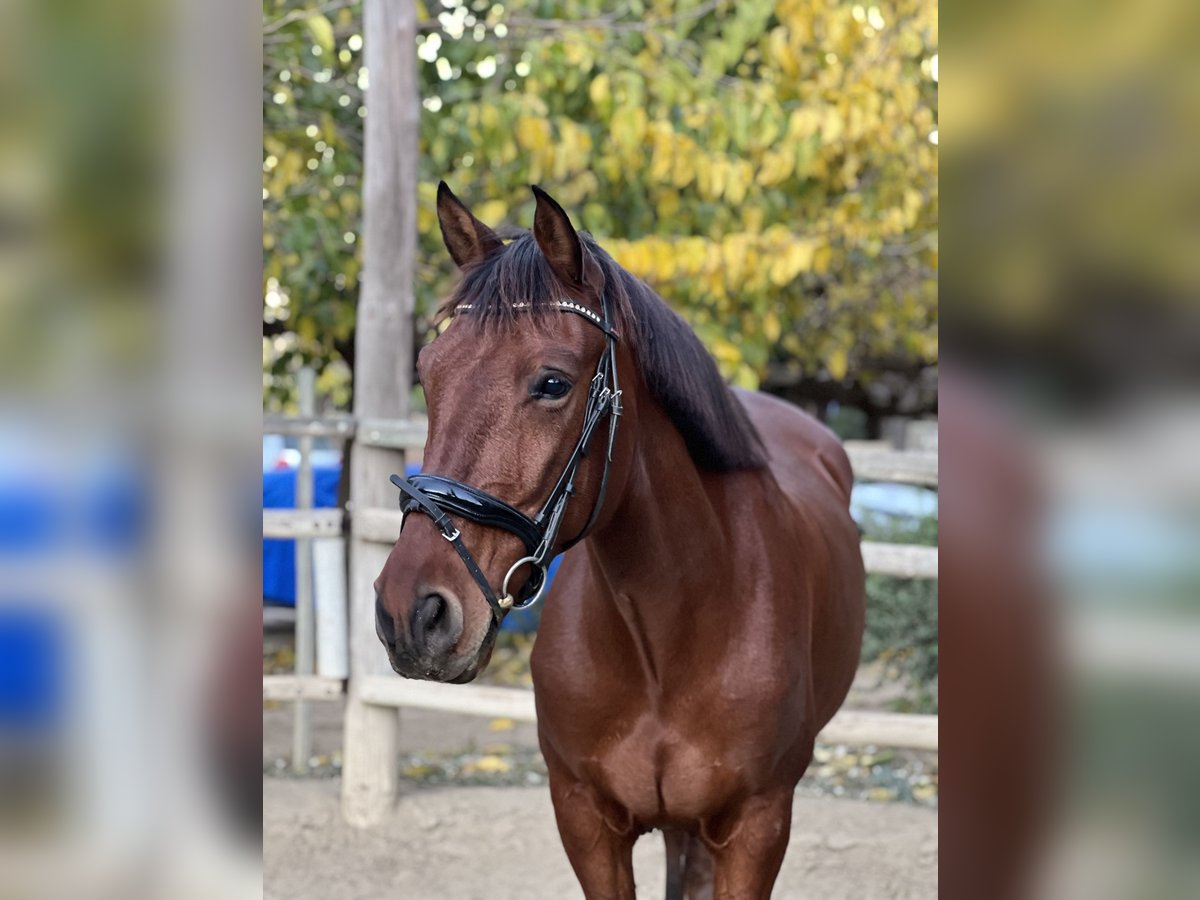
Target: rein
(439,496)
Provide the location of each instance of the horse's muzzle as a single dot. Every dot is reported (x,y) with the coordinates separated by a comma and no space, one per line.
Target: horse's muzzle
(423,643)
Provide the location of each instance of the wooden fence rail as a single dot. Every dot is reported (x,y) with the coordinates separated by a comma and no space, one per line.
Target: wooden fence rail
(847,727)
(382,526)
(295,523)
(871,460)
(877,461)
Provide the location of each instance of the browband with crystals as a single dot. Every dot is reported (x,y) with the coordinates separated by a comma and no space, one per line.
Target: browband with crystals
(567,305)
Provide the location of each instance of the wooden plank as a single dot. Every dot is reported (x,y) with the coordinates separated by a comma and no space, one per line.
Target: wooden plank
(877,461)
(395,434)
(383,362)
(469,699)
(310,426)
(409,434)
(871,460)
(379,525)
(301,687)
(847,727)
(900,560)
(881,729)
(301,523)
(329,588)
(305,632)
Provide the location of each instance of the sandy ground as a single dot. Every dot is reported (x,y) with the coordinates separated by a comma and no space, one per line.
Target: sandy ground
(501,843)
(449,843)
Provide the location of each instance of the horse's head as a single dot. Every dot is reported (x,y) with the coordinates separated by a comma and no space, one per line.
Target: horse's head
(509,388)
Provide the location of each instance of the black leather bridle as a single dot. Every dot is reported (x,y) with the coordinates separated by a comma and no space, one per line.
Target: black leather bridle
(440,497)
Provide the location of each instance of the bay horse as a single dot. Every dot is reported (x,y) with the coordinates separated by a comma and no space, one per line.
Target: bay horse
(707,623)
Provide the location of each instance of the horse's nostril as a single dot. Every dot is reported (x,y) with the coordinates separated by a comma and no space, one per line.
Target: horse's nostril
(384,623)
(433,625)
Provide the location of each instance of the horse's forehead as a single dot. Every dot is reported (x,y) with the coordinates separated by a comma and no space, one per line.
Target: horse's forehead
(469,343)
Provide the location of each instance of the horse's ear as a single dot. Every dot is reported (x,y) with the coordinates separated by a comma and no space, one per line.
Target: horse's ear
(468,240)
(557,238)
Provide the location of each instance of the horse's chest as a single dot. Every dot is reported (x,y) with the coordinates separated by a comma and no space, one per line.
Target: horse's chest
(690,783)
(658,772)
(665,753)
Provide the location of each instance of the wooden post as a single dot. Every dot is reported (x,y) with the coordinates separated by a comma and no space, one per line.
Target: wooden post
(382,378)
(305,637)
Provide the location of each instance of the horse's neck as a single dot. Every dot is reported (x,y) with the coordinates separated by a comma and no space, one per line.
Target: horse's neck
(662,557)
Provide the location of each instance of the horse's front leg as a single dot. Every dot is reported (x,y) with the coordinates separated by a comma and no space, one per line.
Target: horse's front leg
(598,843)
(748,845)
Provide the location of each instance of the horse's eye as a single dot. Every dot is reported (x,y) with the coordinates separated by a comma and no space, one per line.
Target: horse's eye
(549,386)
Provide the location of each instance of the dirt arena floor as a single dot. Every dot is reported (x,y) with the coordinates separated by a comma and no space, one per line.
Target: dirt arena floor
(450,842)
(495,839)
(489,843)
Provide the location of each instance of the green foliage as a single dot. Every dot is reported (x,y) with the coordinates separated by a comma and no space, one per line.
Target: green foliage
(312,181)
(766,165)
(902,613)
(902,627)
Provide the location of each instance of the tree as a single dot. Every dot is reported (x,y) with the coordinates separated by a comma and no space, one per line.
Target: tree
(769,166)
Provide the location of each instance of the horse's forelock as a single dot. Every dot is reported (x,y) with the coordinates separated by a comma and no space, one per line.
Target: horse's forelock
(678,370)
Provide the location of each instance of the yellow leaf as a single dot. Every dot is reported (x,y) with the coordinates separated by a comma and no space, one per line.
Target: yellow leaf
(832,126)
(491,211)
(837,364)
(578,54)
(741,173)
(322,31)
(685,167)
(664,152)
(629,127)
(532,133)
(822,257)
(726,352)
(664,262)
(488,764)
(803,123)
(776,166)
(782,54)
(718,176)
(599,90)
(771,327)
(501,725)
(800,255)
(745,377)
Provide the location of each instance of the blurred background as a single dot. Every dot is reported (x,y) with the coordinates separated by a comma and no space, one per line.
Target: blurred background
(1070,533)
(128,536)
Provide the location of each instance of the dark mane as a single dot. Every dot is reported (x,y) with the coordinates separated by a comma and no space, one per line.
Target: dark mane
(679,372)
